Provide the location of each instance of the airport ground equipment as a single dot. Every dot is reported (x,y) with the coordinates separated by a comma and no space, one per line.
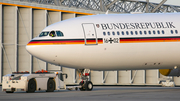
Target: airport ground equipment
(85,84)
(40,80)
(167,82)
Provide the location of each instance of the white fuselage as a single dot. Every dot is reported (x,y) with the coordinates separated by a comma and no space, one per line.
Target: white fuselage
(112,42)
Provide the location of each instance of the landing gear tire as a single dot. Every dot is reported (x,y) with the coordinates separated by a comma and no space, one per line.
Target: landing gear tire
(31,86)
(88,86)
(82,86)
(50,85)
(9,91)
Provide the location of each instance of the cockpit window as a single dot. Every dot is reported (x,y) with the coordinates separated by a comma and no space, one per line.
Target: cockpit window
(52,34)
(43,34)
(59,33)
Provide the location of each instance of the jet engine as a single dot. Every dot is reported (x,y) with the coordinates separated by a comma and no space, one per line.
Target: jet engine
(170,72)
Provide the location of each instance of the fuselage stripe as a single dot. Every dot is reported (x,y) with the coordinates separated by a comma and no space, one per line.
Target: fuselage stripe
(100,40)
(64,41)
(149,39)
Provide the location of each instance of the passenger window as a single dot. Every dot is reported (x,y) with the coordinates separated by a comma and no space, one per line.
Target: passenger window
(104,33)
(149,32)
(122,33)
(176,31)
(131,32)
(140,32)
(43,34)
(118,33)
(113,33)
(136,32)
(172,32)
(52,34)
(145,32)
(127,32)
(108,33)
(162,31)
(59,33)
(158,32)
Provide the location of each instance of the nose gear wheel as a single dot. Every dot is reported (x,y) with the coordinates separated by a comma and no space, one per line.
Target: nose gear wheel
(85,84)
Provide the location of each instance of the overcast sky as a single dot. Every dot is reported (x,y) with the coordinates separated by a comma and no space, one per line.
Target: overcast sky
(171,2)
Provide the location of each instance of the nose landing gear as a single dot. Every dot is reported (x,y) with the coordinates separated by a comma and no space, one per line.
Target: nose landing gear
(85,84)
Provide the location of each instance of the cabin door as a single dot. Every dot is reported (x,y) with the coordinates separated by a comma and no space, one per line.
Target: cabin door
(90,36)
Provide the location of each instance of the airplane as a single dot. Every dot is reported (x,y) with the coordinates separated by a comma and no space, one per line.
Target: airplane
(112,42)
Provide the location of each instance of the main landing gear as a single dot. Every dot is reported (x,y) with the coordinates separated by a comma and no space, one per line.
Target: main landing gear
(85,84)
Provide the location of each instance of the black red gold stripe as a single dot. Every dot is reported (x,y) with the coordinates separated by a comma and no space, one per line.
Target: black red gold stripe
(149,39)
(64,41)
(100,40)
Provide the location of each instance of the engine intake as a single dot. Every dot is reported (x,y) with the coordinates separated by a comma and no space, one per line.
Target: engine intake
(170,72)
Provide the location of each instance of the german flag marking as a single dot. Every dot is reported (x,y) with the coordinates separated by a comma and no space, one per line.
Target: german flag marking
(64,41)
(149,39)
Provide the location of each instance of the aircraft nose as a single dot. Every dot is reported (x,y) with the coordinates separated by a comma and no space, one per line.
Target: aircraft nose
(32,48)
(37,50)
(29,48)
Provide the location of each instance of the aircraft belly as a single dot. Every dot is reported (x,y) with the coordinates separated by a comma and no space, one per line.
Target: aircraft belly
(112,57)
(131,56)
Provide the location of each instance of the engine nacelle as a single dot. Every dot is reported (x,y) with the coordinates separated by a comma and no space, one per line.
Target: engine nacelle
(170,72)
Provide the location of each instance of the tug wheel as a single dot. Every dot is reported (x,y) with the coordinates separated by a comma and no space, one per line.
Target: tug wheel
(50,85)
(9,91)
(31,86)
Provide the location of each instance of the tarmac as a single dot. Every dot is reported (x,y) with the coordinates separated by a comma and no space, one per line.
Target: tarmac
(99,93)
